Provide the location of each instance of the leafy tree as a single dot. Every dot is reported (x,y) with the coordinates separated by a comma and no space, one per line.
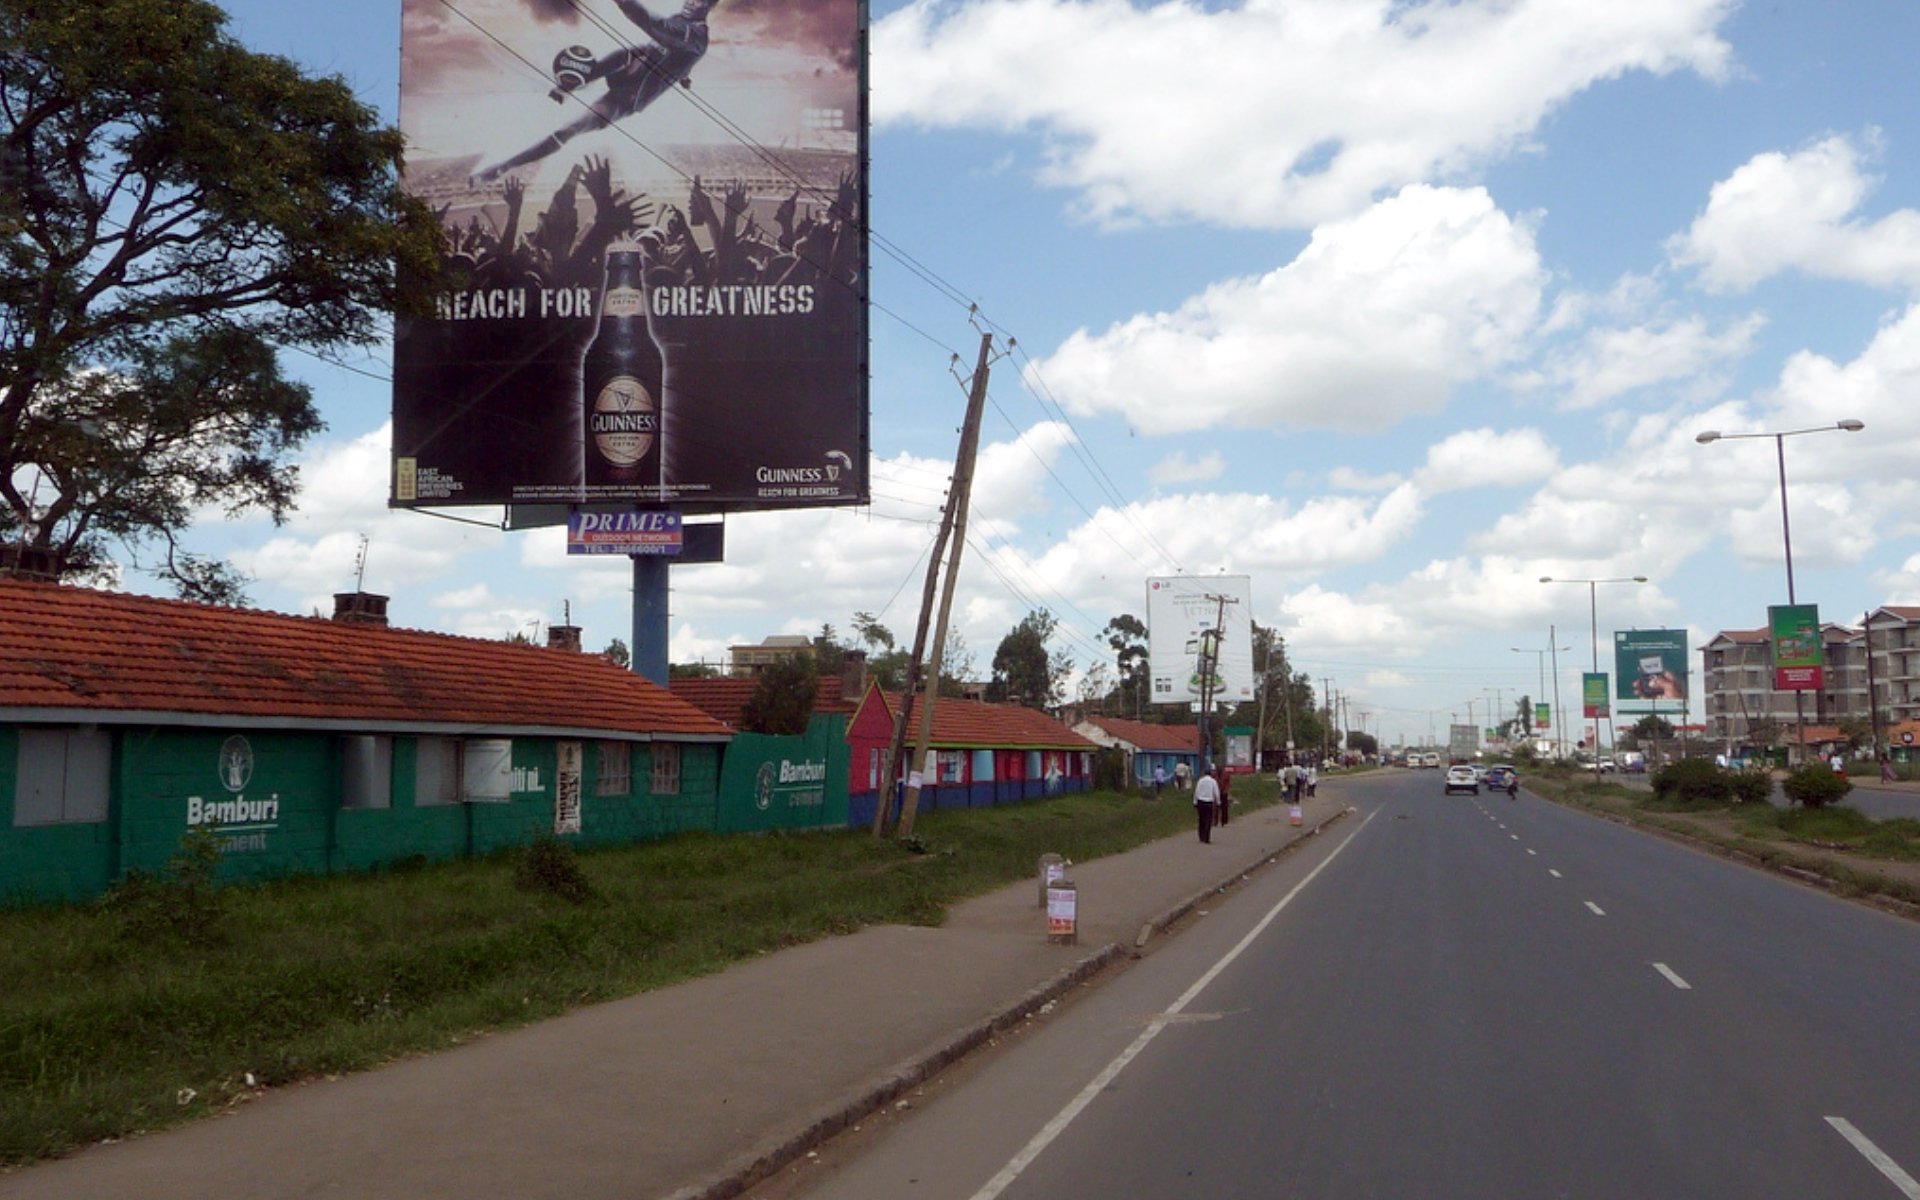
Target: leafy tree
(1127,635)
(1650,728)
(619,654)
(1024,671)
(1362,743)
(1856,731)
(829,655)
(172,206)
(693,670)
(783,695)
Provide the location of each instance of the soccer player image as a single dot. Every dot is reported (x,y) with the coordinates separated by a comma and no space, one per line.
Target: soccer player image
(636,76)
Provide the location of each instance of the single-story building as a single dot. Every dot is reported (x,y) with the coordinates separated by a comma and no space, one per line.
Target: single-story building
(983,754)
(1147,746)
(313,745)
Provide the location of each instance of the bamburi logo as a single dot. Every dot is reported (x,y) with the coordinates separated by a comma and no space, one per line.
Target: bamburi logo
(236,763)
(763,787)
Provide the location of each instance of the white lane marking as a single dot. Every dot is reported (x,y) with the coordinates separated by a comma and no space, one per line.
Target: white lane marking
(1535,853)
(1672,978)
(1873,1154)
(1555,874)
(1597,911)
(1514,836)
(1058,1125)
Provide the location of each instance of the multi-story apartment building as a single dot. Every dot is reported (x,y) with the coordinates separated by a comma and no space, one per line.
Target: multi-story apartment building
(1896,661)
(1737,677)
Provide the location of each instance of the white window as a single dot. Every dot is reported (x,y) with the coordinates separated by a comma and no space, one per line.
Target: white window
(436,771)
(366,772)
(663,778)
(615,777)
(486,770)
(62,777)
(952,765)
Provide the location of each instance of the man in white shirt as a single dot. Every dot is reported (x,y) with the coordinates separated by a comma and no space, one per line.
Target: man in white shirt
(1206,794)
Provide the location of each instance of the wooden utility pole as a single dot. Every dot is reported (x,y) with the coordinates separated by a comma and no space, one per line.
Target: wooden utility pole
(957,502)
(910,686)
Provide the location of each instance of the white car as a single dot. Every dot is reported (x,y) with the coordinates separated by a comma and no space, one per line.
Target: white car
(1462,779)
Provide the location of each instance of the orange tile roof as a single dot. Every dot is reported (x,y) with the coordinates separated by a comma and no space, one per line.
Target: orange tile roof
(139,658)
(1145,735)
(975,724)
(725,698)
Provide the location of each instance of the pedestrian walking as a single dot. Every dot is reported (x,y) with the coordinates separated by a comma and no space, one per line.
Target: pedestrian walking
(1206,795)
(1226,795)
(1159,778)
(1886,769)
(1288,774)
(1181,774)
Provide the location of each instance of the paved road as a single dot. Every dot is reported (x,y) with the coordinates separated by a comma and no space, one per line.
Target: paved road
(1454,997)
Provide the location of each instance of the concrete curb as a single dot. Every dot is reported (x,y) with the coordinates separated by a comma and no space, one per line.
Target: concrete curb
(764,1161)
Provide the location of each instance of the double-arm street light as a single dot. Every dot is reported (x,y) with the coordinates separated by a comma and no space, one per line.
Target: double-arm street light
(1780,455)
(1593,627)
(1780,437)
(1540,659)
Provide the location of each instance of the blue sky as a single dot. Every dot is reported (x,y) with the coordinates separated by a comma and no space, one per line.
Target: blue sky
(1394,308)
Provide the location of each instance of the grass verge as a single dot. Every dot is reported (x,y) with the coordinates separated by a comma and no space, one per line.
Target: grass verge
(113,1022)
(1853,853)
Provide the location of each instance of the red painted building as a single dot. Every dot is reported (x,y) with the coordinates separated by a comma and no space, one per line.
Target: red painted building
(983,754)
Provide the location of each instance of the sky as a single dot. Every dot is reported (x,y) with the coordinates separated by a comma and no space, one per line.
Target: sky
(1394,308)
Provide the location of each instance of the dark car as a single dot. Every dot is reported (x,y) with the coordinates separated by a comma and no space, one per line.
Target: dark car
(1498,779)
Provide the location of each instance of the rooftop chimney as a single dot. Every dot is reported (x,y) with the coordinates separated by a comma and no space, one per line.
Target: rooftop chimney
(360,608)
(563,637)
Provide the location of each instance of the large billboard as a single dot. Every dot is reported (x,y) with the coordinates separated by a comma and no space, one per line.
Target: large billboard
(653,285)
(1183,612)
(1794,631)
(1650,670)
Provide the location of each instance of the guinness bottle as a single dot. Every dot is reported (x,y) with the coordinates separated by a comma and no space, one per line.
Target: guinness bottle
(621,381)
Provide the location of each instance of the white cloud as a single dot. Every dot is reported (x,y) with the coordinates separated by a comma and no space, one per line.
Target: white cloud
(1322,104)
(1377,319)
(342,498)
(1346,479)
(1485,457)
(1178,468)
(1615,361)
(1796,212)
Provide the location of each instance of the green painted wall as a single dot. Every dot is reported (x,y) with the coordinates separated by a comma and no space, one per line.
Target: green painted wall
(284,817)
(797,782)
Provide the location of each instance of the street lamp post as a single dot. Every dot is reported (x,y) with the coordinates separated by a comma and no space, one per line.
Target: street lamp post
(1780,437)
(1540,660)
(1593,634)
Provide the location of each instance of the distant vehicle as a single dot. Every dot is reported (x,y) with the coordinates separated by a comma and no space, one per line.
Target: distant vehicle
(1633,762)
(1462,779)
(1498,776)
(1430,759)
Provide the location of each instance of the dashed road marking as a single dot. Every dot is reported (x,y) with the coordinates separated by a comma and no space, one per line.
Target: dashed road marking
(1878,1157)
(1597,910)
(1672,978)
(1555,874)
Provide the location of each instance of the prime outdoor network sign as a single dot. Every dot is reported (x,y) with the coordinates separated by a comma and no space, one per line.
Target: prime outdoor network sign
(652,288)
(624,533)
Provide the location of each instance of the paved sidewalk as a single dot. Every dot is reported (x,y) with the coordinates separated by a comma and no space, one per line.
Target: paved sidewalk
(692,1091)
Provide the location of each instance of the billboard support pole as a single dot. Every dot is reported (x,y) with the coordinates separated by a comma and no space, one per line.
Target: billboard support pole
(650,617)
